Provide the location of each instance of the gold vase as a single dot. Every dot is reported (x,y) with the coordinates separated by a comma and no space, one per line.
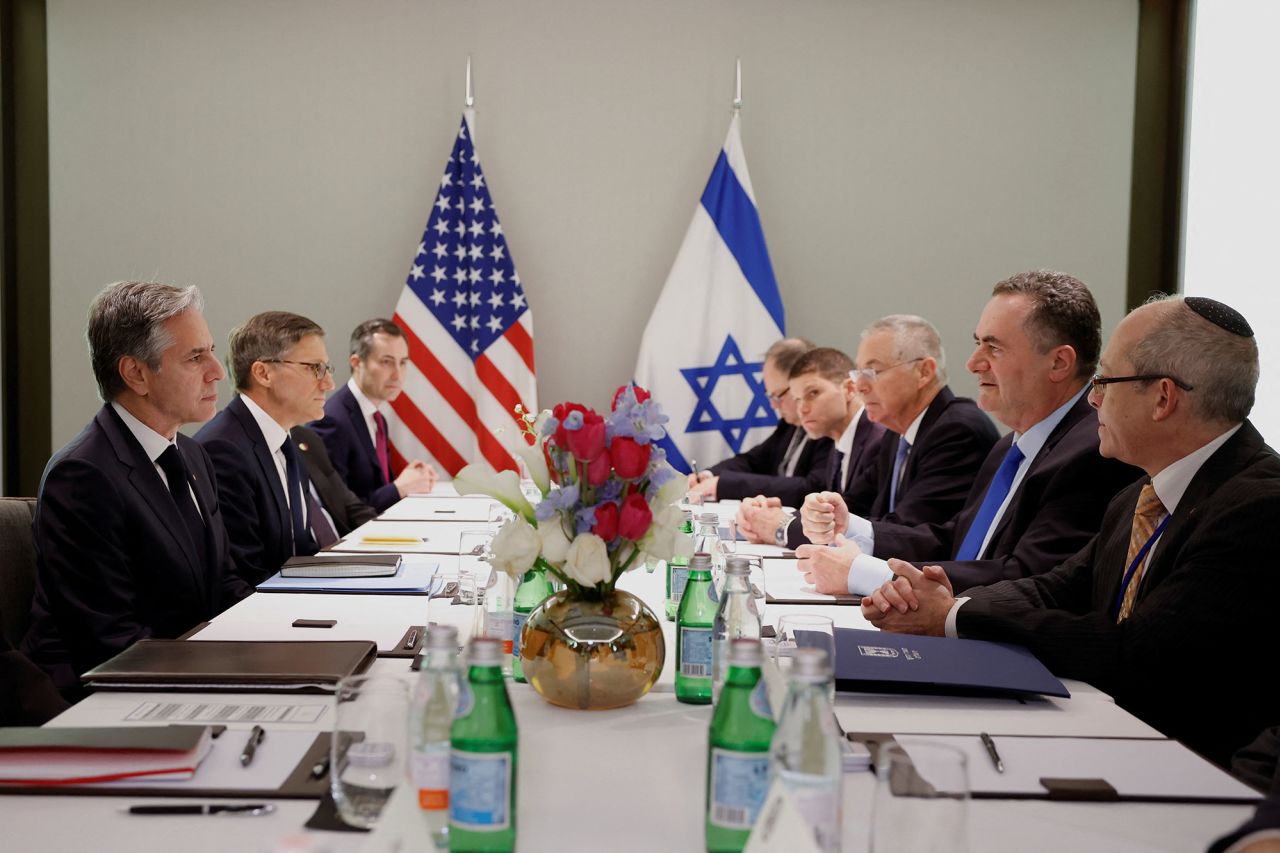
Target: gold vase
(592,653)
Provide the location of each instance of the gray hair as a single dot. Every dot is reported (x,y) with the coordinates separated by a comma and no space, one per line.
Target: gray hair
(913,337)
(786,352)
(127,319)
(265,337)
(1222,367)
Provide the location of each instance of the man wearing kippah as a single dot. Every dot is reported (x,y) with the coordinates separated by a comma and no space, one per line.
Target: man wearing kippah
(1171,607)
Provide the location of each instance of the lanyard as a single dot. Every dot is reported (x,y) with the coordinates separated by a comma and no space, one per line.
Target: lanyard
(1137,561)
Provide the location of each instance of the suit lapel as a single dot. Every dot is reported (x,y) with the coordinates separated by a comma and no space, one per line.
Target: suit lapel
(934,411)
(146,481)
(362,431)
(267,468)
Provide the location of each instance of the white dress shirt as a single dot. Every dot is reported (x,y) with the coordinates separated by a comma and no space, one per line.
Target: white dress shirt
(367,408)
(153,444)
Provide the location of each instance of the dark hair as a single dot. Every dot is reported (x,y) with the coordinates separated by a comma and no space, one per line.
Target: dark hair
(127,319)
(1062,312)
(830,364)
(362,335)
(265,337)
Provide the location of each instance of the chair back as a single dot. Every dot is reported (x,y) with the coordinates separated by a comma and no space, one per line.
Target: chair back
(17,567)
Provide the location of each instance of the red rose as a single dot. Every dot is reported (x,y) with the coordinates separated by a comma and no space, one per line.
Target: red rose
(641,394)
(587,441)
(560,412)
(634,521)
(598,469)
(606,526)
(630,458)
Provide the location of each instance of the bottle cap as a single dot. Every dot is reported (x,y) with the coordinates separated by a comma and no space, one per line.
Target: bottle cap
(442,638)
(700,560)
(810,664)
(734,565)
(709,518)
(485,651)
(745,652)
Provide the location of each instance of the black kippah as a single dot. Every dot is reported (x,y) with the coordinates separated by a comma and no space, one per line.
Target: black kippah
(1220,315)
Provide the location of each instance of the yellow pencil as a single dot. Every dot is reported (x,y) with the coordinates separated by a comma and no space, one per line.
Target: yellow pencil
(393,540)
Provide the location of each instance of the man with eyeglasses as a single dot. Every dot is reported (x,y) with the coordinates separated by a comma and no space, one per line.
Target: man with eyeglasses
(354,427)
(783,463)
(1170,608)
(281,370)
(128,528)
(1040,494)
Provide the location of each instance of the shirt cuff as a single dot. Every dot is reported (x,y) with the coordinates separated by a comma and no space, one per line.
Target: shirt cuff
(950,627)
(862,533)
(867,574)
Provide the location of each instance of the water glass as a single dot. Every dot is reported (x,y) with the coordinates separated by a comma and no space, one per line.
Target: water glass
(800,631)
(368,751)
(922,799)
(473,564)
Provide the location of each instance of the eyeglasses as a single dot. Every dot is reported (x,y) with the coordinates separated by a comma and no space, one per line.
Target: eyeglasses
(1099,382)
(777,396)
(871,374)
(319,369)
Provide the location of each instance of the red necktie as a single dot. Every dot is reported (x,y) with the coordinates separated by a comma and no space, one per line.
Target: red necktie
(380,445)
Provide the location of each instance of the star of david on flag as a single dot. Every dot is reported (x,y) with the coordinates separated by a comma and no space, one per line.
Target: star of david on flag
(469,329)
(703,350)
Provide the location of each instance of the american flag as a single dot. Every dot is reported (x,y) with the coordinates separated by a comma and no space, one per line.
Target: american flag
(469,328)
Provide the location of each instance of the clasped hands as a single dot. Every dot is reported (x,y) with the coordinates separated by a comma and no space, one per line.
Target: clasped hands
(916,601)
(416,478)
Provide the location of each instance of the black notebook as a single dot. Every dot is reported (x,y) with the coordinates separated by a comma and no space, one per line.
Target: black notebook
(341,566)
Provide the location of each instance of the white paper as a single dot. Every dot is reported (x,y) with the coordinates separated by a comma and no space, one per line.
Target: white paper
(221,712)
(768,552)
(1151,768)
(432,508)
(429,537)
(784,581)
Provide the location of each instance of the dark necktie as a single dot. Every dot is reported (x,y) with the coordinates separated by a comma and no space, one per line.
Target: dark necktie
(899,468)
(787,466)
(836,482)
(175,471)
(303,543)
(380,446)
(320,526)
(971,548)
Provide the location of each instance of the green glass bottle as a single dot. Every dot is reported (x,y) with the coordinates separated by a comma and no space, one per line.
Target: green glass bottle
(678,571)
(693,634)
(738,753)
(482,760)
(533,590)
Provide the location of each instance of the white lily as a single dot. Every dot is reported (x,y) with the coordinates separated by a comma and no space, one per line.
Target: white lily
(536,463)
(479,478)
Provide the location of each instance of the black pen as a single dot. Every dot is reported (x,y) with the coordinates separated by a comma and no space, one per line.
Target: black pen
(255,737)
(991,751)
(246,810)
(413,638)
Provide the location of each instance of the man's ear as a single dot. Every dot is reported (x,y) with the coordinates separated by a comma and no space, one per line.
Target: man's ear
(134,373)
(1063,365)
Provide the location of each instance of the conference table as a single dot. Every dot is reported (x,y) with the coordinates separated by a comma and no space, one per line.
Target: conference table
(620,780)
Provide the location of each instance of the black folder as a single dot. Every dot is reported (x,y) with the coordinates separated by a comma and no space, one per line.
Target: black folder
(301,666)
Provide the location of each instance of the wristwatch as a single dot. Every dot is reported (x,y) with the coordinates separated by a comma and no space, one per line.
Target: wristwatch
(780,532)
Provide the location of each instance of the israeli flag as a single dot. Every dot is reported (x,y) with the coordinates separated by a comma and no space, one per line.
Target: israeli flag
(703,350)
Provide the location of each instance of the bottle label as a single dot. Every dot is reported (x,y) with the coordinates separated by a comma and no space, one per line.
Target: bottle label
(429,768)
(498,626)
(480,790)
(695,652)
(679,579)
(760,701)
(817,798)
(739,783)
(517,625)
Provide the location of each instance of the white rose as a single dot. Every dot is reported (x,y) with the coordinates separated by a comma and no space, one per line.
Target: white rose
(555,545)
(515,547)
(587,561)
(665,539)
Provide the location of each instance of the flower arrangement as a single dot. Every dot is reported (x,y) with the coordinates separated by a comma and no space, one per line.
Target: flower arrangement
(608,494)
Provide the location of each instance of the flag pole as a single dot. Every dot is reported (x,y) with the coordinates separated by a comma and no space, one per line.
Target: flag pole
(737,89)
(470,98)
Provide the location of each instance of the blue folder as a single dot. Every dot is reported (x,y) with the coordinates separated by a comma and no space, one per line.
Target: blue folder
(881,662)
(413,578)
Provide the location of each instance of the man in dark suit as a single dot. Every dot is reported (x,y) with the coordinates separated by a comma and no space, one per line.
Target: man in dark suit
(827,405)
(782,464)
(128,528)
(347,511)
(1040,493)
(354,426)
(281,369)
(1170,606)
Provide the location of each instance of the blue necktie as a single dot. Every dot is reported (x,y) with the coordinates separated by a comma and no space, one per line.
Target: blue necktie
(835,481)
(904,447)
(303,543)
(996,493)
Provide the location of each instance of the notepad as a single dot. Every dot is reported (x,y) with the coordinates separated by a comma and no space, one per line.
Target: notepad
(341,566)
(418,577)
(84,756)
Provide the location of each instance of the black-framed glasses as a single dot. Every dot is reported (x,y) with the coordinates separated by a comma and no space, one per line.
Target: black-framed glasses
(871,374)
(777,397)
(319,369)
(1100,382)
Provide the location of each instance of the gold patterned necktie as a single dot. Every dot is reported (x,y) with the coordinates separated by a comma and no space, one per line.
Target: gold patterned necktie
(1146,515)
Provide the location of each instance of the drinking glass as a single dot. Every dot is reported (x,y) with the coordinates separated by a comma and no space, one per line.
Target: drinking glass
(368,751)
(473,564)
(799,631)
(922,799)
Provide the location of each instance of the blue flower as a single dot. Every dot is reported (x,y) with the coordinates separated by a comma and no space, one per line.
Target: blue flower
(659,477)
(585,519)
(573,421)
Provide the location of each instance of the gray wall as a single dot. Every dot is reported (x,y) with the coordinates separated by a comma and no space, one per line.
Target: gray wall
(284,154)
